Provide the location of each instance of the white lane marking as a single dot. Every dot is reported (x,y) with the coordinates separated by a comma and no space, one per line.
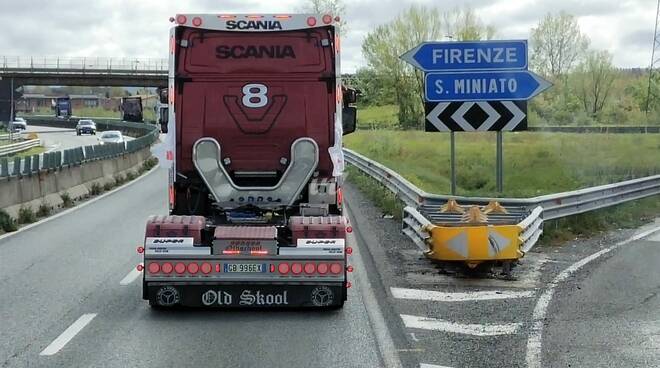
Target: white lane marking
(132,276)
(439,296)
(534,341)
(77,207)
(426,323)
(68,334)
(412,335)
(424,365)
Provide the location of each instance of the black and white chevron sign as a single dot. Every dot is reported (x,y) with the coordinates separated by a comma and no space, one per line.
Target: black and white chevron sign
(483,116)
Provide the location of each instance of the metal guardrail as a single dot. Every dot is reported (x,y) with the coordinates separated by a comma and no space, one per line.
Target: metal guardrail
(423,207)
(54,64)
(18,147)
(615,129)
(146,134)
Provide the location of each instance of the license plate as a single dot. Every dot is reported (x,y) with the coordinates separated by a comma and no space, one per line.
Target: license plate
(244,267)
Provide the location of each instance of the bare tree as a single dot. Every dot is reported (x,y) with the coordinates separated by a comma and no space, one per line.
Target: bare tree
(332,7)
(463,24)
(557,44)
(595,77)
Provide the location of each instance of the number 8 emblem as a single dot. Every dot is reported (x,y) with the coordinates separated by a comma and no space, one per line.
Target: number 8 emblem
(254,95)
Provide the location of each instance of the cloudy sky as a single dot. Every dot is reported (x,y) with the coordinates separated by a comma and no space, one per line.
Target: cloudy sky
(139,28)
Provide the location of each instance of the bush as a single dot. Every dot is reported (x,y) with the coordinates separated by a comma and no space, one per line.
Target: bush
(66,200)
(7,223)
(26,215)
(44,209)
(109,185)
(130,176)
(96,189)
(148,164)
(119,179)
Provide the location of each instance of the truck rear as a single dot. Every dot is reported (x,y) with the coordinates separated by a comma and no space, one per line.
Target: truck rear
(131,109)
(256,114)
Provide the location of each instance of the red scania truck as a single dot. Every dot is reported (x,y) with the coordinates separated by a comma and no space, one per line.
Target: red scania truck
(256,115)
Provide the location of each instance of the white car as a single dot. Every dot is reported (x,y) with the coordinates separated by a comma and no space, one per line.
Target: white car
(111,136)
(18,124)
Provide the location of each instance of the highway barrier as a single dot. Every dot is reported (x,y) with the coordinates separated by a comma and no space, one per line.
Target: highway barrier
(432,221)
(10,149)
(37,178)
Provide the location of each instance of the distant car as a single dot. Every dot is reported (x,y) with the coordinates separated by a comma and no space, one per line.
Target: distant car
(86,126)
(111,136)
(18,124)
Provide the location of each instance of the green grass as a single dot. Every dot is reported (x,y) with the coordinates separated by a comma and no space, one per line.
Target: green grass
(30,152)
(534,163)
(377,117)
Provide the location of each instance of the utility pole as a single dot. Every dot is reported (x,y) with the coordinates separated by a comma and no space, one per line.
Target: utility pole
(655,58)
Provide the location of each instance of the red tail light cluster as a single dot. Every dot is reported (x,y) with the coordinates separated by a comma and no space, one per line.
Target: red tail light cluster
(179,268)
(309,268)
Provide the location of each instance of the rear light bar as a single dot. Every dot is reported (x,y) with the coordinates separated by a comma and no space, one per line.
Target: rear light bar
(296,269)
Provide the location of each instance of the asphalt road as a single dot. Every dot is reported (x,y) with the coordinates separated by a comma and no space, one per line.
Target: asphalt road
(72,266)
(610,315)
(60,138)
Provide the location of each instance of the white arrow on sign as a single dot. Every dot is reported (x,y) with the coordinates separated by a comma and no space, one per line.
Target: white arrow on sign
(518,115)
(434,117)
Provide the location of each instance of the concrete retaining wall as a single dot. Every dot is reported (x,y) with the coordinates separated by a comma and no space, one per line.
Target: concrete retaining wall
(48,185)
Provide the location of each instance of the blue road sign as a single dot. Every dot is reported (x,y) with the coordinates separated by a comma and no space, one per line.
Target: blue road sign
(513,85)
(470,55)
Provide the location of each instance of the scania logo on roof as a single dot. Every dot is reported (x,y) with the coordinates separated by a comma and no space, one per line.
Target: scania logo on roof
(254,24)
(252,51)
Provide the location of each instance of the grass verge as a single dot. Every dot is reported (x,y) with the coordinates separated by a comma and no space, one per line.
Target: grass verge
(556,232)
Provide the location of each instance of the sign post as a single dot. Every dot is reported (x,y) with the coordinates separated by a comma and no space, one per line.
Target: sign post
(476,86)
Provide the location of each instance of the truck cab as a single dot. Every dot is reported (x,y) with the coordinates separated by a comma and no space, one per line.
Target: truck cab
(256,115)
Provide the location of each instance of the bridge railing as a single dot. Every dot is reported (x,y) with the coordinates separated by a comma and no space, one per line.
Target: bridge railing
(77,64)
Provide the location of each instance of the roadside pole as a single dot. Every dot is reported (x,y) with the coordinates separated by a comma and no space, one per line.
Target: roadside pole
(452,158)
(500,162)
(11,111)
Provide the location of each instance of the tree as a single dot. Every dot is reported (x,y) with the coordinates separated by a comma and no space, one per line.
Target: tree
(595,77)
(463,24)
(557,45)
(333,7)
(382,48)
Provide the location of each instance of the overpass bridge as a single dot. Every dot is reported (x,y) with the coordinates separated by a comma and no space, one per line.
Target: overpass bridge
(83,71)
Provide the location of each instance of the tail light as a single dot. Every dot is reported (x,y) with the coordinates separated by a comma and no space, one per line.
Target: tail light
(206,268)
(310,268)
(197,21)
(231,252)
(322,268)
(181,19)
(282,16)
(296,268)
(167,268)
(254,16)
(193,268)
(335,268)
(349,269)
(283,268)
(349,229)
(140,250)
(153,267)
(140,267)
(349,250)
(311,21)
(180,268)
(327,19)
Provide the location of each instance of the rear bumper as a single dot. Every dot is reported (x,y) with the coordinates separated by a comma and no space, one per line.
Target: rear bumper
(244,295)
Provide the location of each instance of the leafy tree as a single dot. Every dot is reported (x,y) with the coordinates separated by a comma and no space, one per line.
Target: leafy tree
(382,48)
(594,79)
(557,44)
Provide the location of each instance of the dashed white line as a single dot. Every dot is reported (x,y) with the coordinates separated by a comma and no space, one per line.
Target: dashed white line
(534,341)
(439,296)
(427,323)
(132,276)
(68,334)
